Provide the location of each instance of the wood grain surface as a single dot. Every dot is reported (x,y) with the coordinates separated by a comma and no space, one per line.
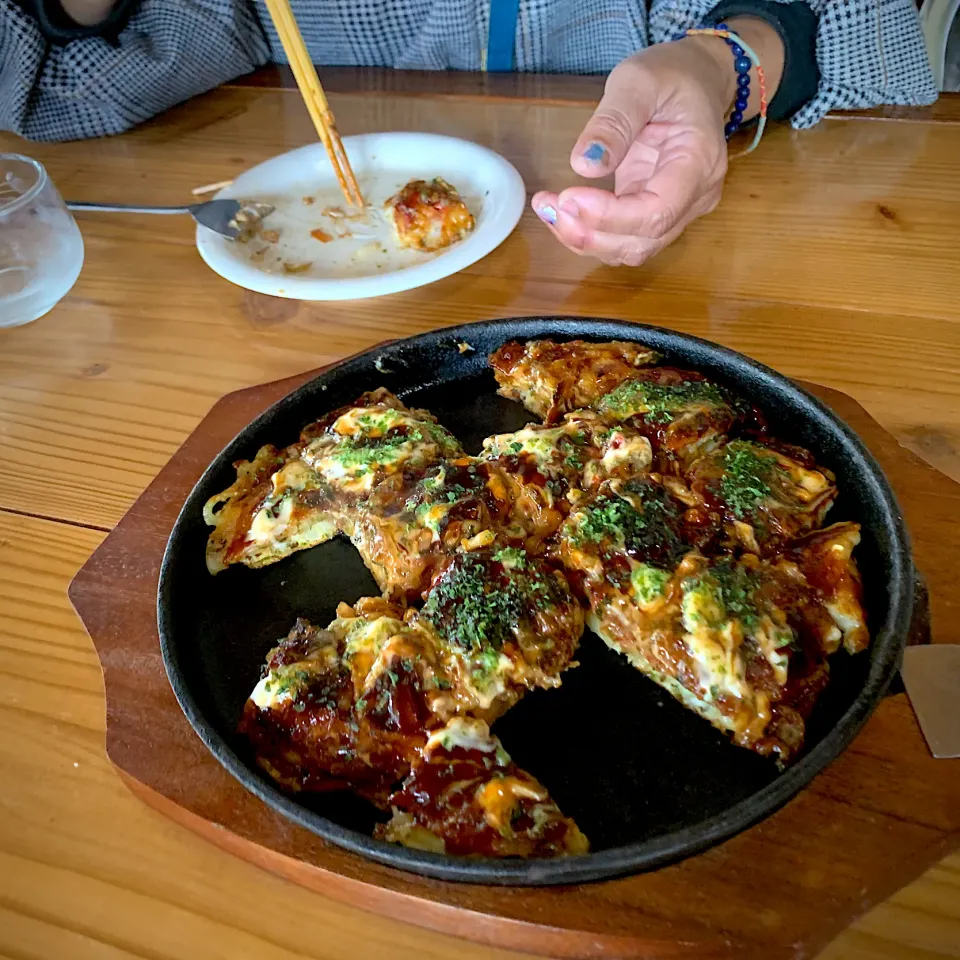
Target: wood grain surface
(835,256)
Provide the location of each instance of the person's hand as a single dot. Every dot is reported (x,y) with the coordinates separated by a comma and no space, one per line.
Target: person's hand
(659,130)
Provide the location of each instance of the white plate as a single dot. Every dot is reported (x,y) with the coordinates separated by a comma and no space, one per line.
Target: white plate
(351,268)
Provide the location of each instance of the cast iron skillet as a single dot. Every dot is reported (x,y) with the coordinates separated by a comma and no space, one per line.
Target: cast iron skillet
(647,781)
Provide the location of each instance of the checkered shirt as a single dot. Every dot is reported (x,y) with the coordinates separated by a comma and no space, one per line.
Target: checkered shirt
(869,51)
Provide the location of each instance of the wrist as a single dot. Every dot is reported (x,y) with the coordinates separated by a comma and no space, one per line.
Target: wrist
(717,57)
(768,45)
(716,63)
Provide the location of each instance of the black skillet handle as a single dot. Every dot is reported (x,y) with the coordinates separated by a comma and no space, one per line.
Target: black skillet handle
(919,632)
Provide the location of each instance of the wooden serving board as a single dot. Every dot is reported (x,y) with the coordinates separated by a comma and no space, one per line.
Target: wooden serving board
(875,819)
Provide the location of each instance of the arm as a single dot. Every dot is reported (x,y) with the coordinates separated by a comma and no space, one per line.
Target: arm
(867,53)
(69,88)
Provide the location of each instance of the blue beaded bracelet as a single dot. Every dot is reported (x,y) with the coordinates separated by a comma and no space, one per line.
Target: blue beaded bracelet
(744,58)
(742,64)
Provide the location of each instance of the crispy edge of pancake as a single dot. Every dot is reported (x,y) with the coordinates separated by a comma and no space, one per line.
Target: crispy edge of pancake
(551,378)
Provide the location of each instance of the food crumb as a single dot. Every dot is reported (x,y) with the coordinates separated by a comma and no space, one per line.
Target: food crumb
(338,213)
(308,201)
(296,267)
(380,366)
(257,255)
(269,236)
(464,347)
(76,764)
(321,235)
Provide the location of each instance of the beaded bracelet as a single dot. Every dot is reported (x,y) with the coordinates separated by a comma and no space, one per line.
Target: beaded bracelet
(743,58)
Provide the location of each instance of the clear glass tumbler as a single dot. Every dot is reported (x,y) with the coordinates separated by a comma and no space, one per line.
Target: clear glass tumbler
(41,250)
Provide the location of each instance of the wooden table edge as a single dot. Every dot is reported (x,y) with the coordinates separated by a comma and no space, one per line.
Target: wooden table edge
(487,929)
(543,88)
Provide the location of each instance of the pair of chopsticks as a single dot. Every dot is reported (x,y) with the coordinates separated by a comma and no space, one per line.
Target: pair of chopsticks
(314,97)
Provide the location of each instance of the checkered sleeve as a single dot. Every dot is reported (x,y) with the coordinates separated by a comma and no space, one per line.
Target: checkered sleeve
(870,52)
(90,87)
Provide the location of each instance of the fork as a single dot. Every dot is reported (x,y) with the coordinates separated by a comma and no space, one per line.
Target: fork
(229,218)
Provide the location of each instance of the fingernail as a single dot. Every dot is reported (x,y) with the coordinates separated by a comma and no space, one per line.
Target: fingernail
(547,215)
(570,208)
(595,153)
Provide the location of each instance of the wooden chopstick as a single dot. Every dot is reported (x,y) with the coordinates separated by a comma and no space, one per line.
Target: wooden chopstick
(211,187)
(315,99)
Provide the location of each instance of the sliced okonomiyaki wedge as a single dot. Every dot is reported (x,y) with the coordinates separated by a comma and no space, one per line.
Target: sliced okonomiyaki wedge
(315,719)
(285,501)
(743,642)
(550,468)
(763,496)
(682,413)
(517,492)
(349,705)
(510,622)
(551,379)
(464,796)
(825,557)
(411,525)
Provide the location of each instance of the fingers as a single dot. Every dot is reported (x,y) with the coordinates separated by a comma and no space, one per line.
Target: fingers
(545,206)
(626,108)
(612,246)
(669,160)
(616,250)
(664,201)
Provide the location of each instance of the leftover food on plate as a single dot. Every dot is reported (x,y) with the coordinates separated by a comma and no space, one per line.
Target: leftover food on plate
(420,219)
(652,504)
(429,215)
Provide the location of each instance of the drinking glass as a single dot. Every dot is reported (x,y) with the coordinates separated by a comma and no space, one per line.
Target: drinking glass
(41,250)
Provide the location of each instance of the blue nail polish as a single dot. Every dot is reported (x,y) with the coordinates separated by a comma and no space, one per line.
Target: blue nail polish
(595,153)
(547,215)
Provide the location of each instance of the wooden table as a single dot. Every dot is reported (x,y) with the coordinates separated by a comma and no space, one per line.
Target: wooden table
(835,257)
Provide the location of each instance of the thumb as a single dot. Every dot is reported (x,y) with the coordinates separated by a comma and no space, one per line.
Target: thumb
(628,105)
